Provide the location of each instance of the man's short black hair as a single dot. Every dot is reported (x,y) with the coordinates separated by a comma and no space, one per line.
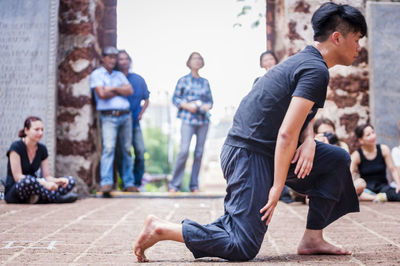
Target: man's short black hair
(331,17)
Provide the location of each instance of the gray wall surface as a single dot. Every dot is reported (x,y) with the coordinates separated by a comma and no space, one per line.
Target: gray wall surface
(384,58)
(28,46)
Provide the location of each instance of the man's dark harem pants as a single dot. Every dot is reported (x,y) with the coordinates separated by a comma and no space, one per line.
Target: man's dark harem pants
(239,233)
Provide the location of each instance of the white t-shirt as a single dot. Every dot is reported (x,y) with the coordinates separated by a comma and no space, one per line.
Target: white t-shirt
(396,155)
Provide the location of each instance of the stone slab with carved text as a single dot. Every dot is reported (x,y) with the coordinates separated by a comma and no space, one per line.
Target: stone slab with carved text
(28,46)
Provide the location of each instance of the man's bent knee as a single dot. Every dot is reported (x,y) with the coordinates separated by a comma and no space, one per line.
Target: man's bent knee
(340,158)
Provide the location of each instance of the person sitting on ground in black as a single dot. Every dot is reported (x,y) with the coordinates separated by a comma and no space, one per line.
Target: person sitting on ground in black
(26,156)
(368,167)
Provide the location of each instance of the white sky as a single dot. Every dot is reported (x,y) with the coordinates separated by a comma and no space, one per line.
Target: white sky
(160,35)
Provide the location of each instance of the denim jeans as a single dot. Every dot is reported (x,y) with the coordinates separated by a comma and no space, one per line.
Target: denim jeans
(139,148)
(138,162)
(114,127)
(187,132)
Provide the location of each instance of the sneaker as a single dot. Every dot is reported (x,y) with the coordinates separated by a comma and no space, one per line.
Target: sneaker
(132,189)
(369,192)
(106,188)
(380,198)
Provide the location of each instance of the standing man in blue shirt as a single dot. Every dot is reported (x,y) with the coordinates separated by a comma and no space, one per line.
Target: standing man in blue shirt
(111,89)
(124,62)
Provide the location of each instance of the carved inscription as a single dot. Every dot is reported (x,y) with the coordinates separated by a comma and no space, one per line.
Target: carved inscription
(25,31)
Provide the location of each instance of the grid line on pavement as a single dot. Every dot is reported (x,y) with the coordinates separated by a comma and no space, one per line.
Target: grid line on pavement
(379,213)
(171,213)
(213,210)
(92,245)
(373,232)
(15,211)
(271,240)
(15,255)
(30,221)
(353,259)
(289,208)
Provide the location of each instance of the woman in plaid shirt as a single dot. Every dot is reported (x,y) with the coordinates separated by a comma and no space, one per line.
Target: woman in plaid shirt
(193,98)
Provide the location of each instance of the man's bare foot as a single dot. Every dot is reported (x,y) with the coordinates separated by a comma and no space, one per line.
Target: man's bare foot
(154,230)
(150,235)
(313,244)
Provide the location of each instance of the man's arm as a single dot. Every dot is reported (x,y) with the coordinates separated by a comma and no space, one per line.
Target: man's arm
(97,84)
(124,90)
(288,137)
(355,161)
(286,144)
(308,132)
(144,107)
(16,168)
(105,92)
(304,155)
(179,101)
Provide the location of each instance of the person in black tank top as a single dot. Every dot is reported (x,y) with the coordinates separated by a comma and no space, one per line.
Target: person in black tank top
(370,162)
(373,171)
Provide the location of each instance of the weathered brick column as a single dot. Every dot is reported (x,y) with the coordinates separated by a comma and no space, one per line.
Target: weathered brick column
(347,99)
(85,26)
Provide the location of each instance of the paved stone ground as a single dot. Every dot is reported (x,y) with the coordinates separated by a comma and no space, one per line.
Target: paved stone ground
(101,231)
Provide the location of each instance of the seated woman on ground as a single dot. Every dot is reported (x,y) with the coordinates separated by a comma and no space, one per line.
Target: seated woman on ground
(25,157)
(370,162)
(324,130)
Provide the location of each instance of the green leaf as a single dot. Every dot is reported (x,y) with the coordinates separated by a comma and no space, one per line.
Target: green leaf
(246,8)
(255,24)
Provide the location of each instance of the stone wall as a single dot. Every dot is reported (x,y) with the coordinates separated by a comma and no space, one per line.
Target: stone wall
(348,91)
(85,26)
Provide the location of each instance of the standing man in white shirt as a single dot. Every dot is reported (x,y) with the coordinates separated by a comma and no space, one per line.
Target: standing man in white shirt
(111,89)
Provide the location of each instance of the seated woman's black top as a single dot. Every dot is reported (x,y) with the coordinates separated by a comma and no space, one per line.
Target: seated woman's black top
(27,168)
(373,171)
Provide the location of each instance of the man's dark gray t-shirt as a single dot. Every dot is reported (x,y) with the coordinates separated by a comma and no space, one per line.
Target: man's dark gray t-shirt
(261,112)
